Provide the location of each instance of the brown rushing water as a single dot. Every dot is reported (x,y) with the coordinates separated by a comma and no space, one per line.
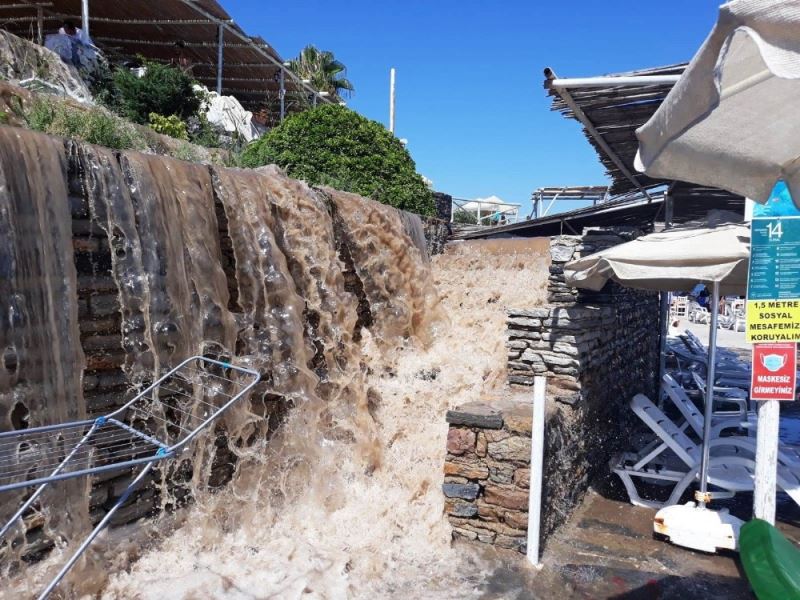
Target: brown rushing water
(42,360)
(333,298)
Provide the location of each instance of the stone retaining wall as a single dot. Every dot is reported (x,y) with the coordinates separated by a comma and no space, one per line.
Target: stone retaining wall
(444,206)
(487,472)
(105,383)
(437,232)
(597,349)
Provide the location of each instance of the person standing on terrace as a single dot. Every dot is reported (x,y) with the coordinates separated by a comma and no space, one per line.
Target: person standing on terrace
(76,34)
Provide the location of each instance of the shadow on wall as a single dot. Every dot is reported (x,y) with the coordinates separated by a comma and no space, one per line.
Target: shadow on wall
(597,350)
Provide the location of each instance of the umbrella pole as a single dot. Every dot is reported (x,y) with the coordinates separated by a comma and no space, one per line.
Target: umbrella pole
(702,497)
(662,359)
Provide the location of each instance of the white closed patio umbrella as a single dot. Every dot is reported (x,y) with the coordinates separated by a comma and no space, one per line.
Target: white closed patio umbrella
(731,121)
(673,260)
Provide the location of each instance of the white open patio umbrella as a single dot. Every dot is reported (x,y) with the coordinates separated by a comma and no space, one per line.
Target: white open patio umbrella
(673,260)
(731,121)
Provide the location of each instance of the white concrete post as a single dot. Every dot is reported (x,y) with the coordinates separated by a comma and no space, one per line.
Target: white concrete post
(537,460)
(85,17)
(769,413)
(391,99)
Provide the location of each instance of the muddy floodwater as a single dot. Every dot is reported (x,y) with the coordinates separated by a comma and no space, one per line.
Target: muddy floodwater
(363,339)
(354,532)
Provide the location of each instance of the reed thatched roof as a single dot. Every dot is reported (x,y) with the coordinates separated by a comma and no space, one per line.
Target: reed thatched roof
(167,30)
(616,112)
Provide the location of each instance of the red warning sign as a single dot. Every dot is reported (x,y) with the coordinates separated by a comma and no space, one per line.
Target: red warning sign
(774,371)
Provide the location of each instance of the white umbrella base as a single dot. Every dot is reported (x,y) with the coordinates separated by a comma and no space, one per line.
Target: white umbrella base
(691,526)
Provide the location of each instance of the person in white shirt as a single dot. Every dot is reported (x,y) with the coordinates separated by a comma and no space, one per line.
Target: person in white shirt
(76,34)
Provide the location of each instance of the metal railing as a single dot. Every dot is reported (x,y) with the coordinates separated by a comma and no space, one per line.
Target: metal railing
(156,425)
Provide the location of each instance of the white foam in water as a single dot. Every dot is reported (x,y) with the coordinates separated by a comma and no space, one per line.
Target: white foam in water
(357,534)
(344,498)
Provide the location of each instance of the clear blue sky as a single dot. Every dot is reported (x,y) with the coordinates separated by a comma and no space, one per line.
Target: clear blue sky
(469,74)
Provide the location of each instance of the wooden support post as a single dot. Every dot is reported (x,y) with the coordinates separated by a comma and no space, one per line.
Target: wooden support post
(769,413)
(220,54)
(282,93)
(39,26)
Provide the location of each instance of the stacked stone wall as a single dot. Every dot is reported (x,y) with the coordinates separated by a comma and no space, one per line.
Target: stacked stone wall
(106,385)
(487,473)
(596,349)
(437,232)
(444,206)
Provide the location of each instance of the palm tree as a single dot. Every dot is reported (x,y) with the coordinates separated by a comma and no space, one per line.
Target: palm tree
(323,70)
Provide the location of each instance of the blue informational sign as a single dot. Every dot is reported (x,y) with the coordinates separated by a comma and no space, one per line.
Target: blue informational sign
(773,286)
(774,259)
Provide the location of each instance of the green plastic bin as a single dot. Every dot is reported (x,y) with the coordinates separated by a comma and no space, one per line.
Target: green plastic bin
(771,562)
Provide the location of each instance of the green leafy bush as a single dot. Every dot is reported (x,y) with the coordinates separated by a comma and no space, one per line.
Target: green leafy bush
(162,89)
(332,145)
(186,152)
(101,84)
(171,126)
(202,132)
(464,217)
(94,126)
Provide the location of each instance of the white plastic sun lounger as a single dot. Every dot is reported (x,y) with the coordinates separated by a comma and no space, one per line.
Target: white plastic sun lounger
(699,314)
(727,360)
(723,354)
(691,352)
(737,398)
(733,394)
(788,455)
(156,425)
(674,458)
(729,372)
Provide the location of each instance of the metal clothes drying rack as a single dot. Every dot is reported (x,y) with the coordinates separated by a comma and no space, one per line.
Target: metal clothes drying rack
(155,425)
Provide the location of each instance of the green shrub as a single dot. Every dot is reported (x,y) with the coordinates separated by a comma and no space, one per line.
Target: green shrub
(202,132)
(162,89)
(94,126)
(186,152)
(171,126)
(464,217)
(332,145)
(101,84)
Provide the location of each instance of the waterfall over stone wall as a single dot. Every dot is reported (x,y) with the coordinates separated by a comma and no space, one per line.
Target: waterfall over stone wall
(138,261)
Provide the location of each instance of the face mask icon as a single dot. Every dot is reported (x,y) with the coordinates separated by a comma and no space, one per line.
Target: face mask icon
(773,362)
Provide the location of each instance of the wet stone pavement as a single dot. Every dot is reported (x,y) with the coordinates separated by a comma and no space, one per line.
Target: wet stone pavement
(607,550)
